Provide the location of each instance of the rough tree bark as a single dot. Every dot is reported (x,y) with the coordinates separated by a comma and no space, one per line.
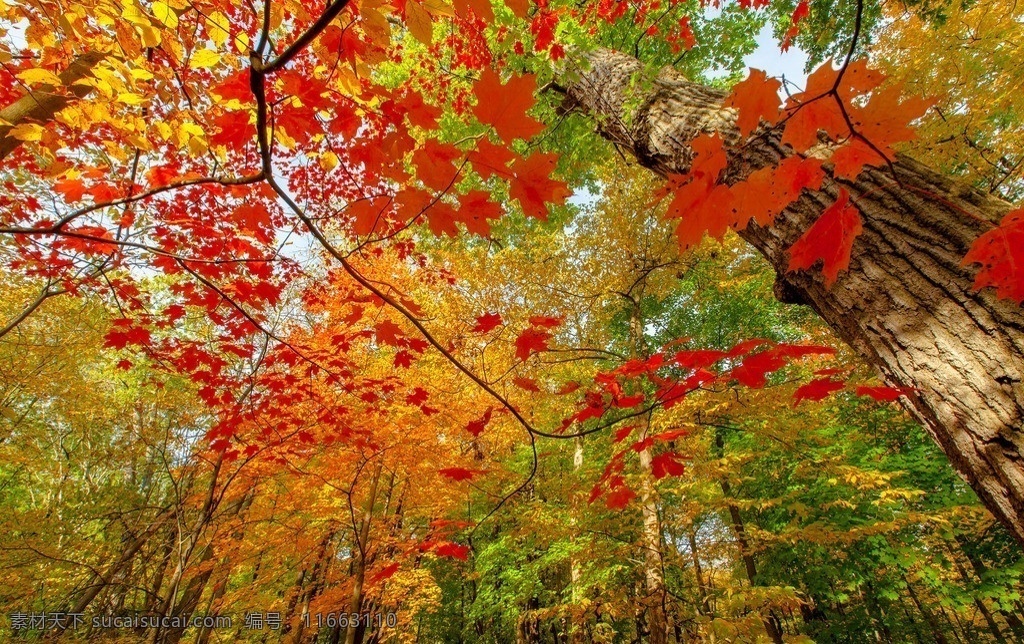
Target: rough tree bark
(906,304)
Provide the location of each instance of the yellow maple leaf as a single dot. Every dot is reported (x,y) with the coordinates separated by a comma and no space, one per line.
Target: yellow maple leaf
(27,132)
(150,36)
(39,76)
(129,98)
(204,59)
(217,26)
(165,14)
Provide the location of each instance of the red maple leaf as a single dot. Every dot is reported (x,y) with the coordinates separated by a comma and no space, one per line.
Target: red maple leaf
(755,98)
(487,322)
(489,159)
(418,112)
(531,341)
(543,29)
(765,193)
(1001,255)
(883,121)
(709,210)
(418,396)
(370,214)
(125,333)
(452,550)
(441,218)
(753,370)
(619,498)
(504,106)
(384,573)
(545,321)
(665,437)
(476,427)
(814,109)
(880,393)
(568,388)
(253,217)
(235,85)
(233,128)
(625,402)
(745,346)
(698,359)
(526,384)
(803,9)
(700,203)
(829,239)
(640,446)
(435,165)
(390,333)
(667,464)
(459,473)
(533,185)
(817,389)
(621,434)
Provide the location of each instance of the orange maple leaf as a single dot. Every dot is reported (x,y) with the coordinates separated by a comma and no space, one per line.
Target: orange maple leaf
(505,106)
(755,98)
(1001,255)
(829,239)
(533,185)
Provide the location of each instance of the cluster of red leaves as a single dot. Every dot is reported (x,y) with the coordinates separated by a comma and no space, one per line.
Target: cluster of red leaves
(535,338)
(802,10)
(848,106)
(675,375)
(704,205)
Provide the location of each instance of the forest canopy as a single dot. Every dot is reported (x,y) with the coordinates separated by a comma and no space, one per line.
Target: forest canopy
(513,321)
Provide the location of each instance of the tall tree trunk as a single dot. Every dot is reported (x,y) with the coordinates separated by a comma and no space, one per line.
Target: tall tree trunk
(576,628)
(877,614)
(702,591)
(354,634)
(980,570)
(100,581)
(771,625)
(906,304)
(993,627)
(929,617)
(910,618)
(656,598)
(654,579)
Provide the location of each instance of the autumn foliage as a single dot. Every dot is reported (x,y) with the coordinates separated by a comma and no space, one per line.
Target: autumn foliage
(339,309)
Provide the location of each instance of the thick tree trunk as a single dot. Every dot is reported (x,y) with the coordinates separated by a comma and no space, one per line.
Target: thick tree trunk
(906,304)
